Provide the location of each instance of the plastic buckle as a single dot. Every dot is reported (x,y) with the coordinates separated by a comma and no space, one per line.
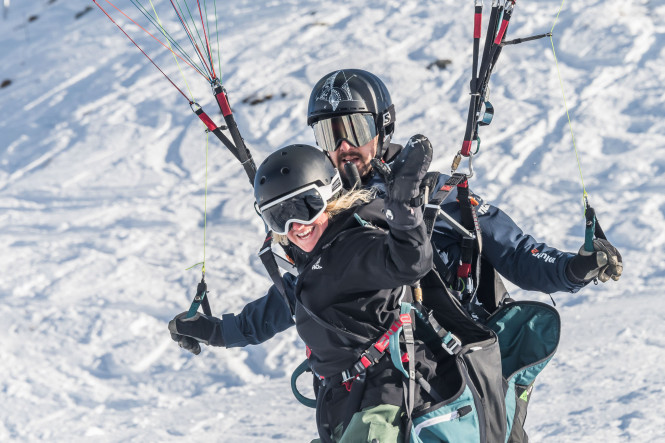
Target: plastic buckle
(365,361)
(346,376)
(450,342)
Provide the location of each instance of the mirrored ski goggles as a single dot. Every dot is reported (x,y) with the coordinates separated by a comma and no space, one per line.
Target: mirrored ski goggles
(356,129)
(303,206)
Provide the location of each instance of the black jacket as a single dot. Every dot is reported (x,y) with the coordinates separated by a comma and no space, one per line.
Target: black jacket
(348,295)
(353,281)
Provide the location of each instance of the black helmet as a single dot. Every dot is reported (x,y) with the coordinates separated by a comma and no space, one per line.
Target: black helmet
(351,91)
(294,184)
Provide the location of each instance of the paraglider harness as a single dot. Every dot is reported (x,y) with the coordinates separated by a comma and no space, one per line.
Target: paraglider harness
(468,398)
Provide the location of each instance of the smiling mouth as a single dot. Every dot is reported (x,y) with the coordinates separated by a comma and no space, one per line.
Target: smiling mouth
(304,234)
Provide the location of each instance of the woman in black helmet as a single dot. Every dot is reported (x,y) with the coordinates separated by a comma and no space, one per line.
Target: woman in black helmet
(355,257)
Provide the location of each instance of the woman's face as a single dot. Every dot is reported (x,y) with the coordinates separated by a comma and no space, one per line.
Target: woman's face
(307,236)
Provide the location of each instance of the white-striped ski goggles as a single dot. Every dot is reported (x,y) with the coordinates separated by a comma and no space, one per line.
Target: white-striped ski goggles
(356,129)
(303,205)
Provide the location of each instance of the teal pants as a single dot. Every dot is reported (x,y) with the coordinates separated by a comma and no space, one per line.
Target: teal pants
(380,424)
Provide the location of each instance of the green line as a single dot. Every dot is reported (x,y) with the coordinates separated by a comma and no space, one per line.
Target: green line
(205,204)
(556,19)
(565,103)
(205,210)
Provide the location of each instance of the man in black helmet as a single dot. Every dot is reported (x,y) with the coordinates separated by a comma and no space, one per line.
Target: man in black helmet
(353,118)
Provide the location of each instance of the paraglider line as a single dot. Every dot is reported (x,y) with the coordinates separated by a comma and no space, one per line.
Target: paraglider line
(171,41)
(565,104)
(147,56)
(205,34)
(191,36)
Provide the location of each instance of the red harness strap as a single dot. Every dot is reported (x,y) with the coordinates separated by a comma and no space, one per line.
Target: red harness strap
(371,355)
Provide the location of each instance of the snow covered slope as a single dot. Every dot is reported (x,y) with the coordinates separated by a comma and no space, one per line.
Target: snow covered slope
(103,172)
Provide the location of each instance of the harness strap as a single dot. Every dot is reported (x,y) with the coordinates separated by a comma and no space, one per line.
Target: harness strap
(301,369)
(471,247)
(269,262)
(409,341)
(432,209)
(468,243)
(469,229)
(373,354)
(356,391)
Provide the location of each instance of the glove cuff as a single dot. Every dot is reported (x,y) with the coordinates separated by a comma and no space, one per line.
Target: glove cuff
(582,268)
(205,329)
(571,275)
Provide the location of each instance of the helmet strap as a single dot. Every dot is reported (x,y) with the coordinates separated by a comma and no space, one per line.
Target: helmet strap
(386,126)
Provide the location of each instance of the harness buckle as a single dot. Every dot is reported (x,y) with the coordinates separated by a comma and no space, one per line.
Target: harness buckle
(347,377)
(450,343)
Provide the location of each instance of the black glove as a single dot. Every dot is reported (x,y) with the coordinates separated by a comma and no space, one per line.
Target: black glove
(407,171)
(188,332)
(403,180)
(603,263)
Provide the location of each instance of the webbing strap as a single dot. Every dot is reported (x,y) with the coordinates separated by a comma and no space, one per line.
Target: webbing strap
(592,229)
(200,299)
(409,341)
(395,351)
(269,262)
(479,83)
(301,369)
(216,130)
(355,398)
(244,155)
(471,247)
(468,243)
(431,210)
(376,351)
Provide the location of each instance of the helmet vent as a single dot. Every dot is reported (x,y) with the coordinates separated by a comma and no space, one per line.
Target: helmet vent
(263,180)
(285,170)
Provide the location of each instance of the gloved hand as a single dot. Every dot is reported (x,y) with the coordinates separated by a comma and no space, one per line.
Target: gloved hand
(403,181)
(407,171)
(188,332)
(603,263)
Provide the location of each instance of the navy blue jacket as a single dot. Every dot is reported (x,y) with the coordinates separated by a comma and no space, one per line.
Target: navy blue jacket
(529,264)
(518,257)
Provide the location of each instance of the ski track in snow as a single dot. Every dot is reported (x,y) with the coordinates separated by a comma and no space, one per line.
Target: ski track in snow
(102,178)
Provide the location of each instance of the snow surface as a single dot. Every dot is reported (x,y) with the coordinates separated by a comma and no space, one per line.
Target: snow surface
(103,173)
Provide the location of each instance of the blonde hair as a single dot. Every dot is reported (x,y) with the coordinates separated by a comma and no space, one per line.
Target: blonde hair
(338,205)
